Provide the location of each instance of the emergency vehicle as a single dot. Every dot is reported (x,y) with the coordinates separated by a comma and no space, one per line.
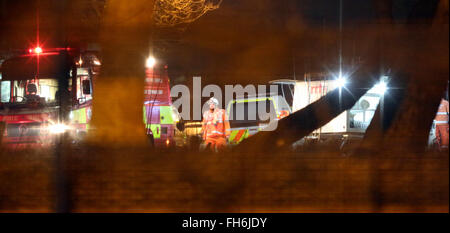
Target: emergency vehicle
(294,95)
(160,117)
(349,124)
(243,117)
(45,92)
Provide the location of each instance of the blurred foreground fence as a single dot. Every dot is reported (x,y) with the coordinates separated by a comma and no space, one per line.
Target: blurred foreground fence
(101,180)
(389,172)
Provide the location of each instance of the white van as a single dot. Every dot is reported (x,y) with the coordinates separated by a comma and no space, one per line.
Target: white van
(245,120)
(353,122)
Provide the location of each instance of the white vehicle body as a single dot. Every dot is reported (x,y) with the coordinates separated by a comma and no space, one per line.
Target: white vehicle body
(356,120)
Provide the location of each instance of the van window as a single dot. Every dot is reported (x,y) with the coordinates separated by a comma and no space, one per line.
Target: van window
(362,112)
(80,96)
(245,114)
(5,91)
(287,91)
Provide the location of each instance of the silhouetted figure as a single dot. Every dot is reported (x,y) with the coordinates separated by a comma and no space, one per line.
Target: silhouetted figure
(32,93)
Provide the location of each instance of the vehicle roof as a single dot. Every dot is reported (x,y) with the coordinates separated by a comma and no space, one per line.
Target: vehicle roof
(270,94)
(289,81)
(51,64)
(316,76)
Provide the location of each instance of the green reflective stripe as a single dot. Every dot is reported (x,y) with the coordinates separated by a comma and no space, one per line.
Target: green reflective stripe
(275,106)
(245,136)
(253,100)
(79,116)
(232,135)
(165,115)
(155,128)
(229,106)
(144,115)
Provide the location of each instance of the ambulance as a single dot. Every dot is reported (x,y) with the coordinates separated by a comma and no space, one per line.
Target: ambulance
(294,95)
(245,120)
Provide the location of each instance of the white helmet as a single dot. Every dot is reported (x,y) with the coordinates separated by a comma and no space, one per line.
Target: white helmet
(214,101)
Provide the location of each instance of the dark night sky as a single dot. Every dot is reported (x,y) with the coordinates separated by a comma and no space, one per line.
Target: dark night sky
(241,41)
(247,40)
(260,40)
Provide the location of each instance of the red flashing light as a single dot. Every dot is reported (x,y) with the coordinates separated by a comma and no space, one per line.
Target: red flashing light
(38,50)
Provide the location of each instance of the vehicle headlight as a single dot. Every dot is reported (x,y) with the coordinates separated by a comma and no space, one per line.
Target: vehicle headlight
(58,128)
(380,88)
(341,81)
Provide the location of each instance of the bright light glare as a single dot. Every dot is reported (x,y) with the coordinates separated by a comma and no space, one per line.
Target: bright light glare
(58,128)
(380,88)
(341,81)
(150,62)
(38,50)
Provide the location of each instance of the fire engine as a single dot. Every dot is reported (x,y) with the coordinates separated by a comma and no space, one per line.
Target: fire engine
(46,92)
(160,117)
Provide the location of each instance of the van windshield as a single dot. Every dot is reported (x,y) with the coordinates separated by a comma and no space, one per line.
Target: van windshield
(245,114)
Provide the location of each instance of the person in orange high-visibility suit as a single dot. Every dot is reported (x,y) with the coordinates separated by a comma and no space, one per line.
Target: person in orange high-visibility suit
(441,122)
(215,126)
